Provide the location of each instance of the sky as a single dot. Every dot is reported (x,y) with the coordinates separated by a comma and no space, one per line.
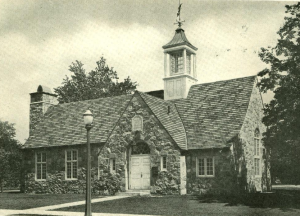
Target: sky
(40,39)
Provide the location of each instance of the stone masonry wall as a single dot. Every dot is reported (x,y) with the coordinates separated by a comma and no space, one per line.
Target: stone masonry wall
(36,113)
(159,142)
(39,104)
(253,121)
(224,180)
(55,181)
(117,147)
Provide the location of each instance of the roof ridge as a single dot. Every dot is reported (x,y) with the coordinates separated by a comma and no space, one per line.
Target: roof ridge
(91,100)
(145,98)
(225,80)
(120,117)
(148,95)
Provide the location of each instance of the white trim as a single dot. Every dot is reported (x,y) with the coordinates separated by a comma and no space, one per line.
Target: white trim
(162,163)
(72,161)
(46,102)
(133,126)
(180,75)
(171,49)
(205,167)
(35,176)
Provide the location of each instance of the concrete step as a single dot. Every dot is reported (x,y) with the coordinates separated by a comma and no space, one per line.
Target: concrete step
(135,193)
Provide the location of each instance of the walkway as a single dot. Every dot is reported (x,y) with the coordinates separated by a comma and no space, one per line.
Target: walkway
(46,209)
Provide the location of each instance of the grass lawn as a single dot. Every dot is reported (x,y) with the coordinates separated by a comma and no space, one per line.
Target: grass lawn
(193,205)
(26,201)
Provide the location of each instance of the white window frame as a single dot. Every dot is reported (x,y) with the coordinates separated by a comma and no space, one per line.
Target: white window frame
(162,168)
(42,162)
(257,154)
(205,167)
(137,119)
(71,161)
(188,63)
(173,57)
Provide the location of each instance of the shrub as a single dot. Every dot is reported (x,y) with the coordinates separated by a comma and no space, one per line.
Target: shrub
(107,185)
(167,183)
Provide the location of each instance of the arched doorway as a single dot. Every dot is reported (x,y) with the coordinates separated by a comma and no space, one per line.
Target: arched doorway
(140,148)
(140,166)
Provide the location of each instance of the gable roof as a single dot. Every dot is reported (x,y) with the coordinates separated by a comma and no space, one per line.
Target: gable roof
(210,116)
(179,39)
(166,113)
(63,124)
(213,113)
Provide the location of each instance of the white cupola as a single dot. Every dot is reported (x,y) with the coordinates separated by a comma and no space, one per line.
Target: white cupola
(180,66)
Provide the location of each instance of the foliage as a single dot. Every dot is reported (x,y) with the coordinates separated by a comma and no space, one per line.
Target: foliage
(282,114)
(166,183)
(55,184)
(107,185)
(100,82)
(10,156)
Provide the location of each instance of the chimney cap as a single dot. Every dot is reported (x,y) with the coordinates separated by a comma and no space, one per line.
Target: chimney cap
(44,89)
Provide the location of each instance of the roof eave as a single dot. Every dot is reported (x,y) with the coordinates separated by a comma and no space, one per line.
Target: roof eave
(179,44)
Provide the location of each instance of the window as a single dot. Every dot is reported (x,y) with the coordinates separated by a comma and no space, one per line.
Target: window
(176,63)
(257,166)
(188,63)
(163,163)
(71,164)
(205,167)
(112,164)
(137,123)
(41,165)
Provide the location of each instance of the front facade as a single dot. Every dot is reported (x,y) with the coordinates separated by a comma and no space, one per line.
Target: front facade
(198,138)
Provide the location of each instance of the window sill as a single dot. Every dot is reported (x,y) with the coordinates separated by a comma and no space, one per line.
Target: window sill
(205,176)
(41,180)
(71,179)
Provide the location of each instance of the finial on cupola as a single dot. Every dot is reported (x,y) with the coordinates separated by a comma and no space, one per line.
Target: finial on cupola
(180,64)
(178,20)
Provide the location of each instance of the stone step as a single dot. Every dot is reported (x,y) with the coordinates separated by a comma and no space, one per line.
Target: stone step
(135,193)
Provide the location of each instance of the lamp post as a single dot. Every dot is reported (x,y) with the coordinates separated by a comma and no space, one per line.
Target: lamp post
(88,120)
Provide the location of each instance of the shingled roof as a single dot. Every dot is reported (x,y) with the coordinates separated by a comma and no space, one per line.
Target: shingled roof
(179,39)
(167,114)
(213,113)
(63,123)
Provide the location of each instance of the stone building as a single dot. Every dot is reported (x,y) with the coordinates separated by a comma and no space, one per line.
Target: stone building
(188,138)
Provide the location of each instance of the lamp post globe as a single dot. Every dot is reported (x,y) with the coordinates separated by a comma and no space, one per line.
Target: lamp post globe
(88,120)
(88,117)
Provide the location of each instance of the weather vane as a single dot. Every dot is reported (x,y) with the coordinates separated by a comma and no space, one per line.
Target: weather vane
(178,20)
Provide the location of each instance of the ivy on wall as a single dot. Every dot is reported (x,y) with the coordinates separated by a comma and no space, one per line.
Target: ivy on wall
(108,184)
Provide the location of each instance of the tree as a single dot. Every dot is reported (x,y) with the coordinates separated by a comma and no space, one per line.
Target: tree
(10,156)
(282,114)
(101,82)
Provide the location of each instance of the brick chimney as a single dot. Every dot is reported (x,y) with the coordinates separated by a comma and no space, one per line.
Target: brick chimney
(40,101)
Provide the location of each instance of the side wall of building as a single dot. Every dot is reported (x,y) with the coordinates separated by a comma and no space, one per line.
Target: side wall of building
(252,122)
(224,179)
(56,181)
